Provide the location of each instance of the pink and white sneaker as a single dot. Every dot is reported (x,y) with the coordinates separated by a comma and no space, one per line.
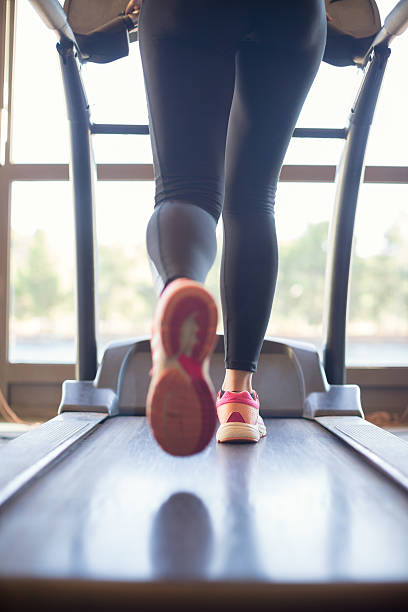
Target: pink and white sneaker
(180,402)
(239,416)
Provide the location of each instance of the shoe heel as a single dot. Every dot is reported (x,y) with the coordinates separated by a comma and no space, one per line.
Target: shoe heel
(189,322)
(181,413)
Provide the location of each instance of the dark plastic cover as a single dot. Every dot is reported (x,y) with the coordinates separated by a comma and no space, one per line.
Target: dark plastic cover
(352,25)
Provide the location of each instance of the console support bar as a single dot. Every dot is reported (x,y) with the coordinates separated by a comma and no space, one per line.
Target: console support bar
(82,171)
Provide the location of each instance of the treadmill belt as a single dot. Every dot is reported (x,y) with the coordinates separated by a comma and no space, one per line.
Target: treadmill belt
(298,507)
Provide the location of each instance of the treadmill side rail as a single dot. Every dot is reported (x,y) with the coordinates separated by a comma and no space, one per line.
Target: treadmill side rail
(382,448)
(29,454)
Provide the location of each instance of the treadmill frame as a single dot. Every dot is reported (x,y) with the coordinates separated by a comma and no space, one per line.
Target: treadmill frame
(323,396)
(349,177)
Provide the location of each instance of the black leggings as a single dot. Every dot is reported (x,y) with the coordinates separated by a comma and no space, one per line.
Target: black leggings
(225,82)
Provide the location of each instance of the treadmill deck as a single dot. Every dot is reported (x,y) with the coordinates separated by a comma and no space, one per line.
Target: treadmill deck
(298,507)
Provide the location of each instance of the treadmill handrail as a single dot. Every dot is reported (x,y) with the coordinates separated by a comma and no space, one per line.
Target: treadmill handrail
(395,24)
(54,17)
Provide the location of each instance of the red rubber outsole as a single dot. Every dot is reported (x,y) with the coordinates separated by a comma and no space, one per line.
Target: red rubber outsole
(181,401)
(182,420)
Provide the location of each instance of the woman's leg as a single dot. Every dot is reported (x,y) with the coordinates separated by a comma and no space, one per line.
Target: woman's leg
(274,72)
(188,54)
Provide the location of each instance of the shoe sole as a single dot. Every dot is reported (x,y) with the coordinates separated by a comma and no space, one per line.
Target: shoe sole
(240,432)
(181,399)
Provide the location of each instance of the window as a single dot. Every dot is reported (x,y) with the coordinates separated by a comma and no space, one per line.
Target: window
(42,284)
(378,308)
(39,131)
(42,313)
(302,218)
(125,291)
(41,325)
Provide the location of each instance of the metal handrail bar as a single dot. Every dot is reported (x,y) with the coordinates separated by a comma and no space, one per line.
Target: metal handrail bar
(121,128)
(118,128)
(54,17)
(395,24)
(349,176)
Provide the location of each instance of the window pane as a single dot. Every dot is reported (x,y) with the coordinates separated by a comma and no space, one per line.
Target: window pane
(42,326)
(320,151)
(387,144)
(116,90)
(126,294)
(377,332)
(302,217)
(42,321)
(120,149)
(116,95)
(39,126)
(330,98)
(40,131)
(42,317)
(39,120)
(378,312)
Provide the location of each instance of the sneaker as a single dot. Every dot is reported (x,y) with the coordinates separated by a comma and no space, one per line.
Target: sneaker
(239,416)
(181,399)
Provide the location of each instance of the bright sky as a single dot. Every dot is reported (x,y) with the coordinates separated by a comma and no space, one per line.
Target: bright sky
(40,135)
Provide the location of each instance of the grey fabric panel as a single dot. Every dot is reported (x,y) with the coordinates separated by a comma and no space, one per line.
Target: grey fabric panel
(85,16)
(357,18)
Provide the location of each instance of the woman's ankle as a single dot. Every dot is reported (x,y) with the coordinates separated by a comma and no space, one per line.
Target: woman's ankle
(237,380)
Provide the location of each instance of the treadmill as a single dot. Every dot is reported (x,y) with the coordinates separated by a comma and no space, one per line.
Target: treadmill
(95,516)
